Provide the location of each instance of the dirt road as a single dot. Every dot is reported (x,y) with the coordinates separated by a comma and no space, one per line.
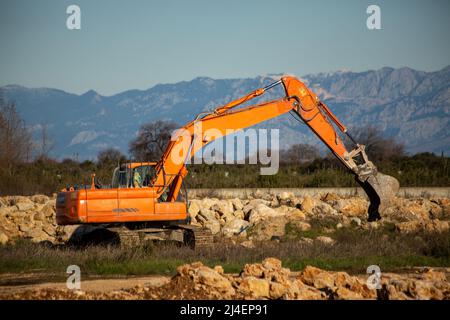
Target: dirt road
(16,283)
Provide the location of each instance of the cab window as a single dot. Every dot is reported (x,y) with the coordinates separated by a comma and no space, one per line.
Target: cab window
(143,175)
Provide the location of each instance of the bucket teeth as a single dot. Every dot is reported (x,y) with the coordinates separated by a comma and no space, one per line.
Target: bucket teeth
(381,190)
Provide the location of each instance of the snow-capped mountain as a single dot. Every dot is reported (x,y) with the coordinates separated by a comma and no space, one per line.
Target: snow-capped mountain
(412,105)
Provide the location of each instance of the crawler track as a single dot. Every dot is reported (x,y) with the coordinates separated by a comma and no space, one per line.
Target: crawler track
(201,237)
(192,236)
(126,237)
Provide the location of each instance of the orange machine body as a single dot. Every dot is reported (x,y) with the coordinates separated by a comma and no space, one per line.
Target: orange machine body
(117,205)
(114,206)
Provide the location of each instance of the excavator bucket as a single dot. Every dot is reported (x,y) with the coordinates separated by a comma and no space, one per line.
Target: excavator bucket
(381,190)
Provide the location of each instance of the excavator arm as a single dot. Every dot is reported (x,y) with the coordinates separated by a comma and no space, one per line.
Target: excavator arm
(227,119)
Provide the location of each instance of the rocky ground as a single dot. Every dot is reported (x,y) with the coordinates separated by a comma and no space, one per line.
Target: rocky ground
(266,218)
(247,222)
(266,280)
(244,220)
(30,218)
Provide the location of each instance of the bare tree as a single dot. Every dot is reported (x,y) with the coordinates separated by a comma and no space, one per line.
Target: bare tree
(15,138)
(110,156)
(46,143)
(378,147)
(151,140)
(300,153)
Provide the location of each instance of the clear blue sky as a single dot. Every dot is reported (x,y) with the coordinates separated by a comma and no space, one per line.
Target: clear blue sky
(137,44)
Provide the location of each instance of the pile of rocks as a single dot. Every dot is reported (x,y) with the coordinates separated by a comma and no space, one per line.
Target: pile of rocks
(231,217)
(269,215)
(266,280)
(269,280)
(254,219)
(31,218)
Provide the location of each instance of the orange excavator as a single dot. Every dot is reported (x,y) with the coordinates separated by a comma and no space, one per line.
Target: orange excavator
(143,201)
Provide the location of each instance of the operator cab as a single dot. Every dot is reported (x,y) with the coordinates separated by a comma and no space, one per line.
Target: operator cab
(134,175)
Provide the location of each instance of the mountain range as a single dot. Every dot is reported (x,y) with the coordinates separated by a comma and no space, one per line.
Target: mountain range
(409,105)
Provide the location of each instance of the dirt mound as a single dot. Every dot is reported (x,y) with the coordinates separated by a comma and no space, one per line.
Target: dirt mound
(31,218)
(269,280)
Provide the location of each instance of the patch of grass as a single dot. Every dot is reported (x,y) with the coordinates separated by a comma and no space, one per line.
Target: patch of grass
(324,221)
(136,267)
(293,233)
(388,227)
(360,264)
(354,251)
(437,245)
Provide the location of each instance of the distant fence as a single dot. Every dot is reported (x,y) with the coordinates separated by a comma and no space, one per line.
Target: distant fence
(226,193)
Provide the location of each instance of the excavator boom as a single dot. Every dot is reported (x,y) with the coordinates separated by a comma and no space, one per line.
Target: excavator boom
(312,111)
(380,188)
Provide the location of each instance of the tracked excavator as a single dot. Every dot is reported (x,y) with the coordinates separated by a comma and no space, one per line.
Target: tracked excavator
(144,200)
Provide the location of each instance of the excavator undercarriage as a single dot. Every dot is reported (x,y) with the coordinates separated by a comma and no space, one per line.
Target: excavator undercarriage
(132,235)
